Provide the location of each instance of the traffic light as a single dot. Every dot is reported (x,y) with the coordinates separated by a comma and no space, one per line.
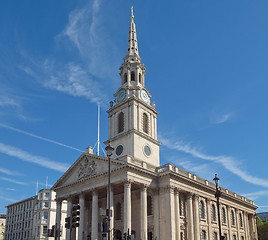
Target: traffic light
(68,222)
(125,236)
(75,216)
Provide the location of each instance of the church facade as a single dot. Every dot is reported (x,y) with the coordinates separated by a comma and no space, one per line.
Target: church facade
(148,201)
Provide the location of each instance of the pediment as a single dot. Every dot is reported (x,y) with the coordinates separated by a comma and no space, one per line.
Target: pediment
(86,166)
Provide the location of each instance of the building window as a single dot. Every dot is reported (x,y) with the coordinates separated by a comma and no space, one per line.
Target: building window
(232,218)
(213,213)
(139,78)
(44,230)
(145,123)
(45,215)
(203,235)
(41,196)
(215,236)
(118,211)
(223,215)
(46,204)
(202,210)
(242,238)
(240,220)
(120,122)
(47,194)
(149,206)
(225,236)
(132,76)
(234,237)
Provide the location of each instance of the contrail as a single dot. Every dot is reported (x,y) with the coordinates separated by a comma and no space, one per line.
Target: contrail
(39,137)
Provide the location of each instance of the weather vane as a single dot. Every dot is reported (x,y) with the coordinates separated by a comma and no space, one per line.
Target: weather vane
(132,16)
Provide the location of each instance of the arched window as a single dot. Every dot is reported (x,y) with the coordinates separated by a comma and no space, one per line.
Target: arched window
(232,218)
(145,123)
(215,236)
(120,122)
(240,220)
(234,237)
(125,78)
(223,215)
(213,213)
(132,76)
(118,211)
(202,210)
(149,206)
(242,238)
(139,78)
(203,235)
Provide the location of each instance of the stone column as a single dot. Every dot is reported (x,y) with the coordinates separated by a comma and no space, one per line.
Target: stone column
(190,216)
(210,236)
(238,224)
(171,213)
(156,214)
(127,207)
(81,229)
(196,217)
(228,214)
(95,216)
(69,214)
(112,210)
(58,219)
(143,216)
(177,214)
(245,225)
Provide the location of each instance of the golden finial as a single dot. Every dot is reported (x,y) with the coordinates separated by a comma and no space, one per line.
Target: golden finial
(132,16)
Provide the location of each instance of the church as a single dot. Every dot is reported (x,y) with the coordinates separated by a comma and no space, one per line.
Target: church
(147,201)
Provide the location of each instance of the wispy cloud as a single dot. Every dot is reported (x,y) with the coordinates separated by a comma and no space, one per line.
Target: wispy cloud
(8,101)
(10,172)
(256,195)
(13,181)
(223,118)
(231,164)
(8,199)
(86,30)
(28,157)
(38,137)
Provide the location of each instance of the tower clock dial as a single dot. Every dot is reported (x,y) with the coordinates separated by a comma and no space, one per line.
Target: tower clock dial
(121,96)
(144,96)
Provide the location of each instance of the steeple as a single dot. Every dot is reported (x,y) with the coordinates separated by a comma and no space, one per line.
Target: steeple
(132,46)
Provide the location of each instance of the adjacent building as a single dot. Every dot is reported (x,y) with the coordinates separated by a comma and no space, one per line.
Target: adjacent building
(148,201)
(2,226)
(31,218)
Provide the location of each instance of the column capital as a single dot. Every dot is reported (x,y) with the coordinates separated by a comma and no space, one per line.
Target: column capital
(190,195)
(127,183)
(144,187)
(196,197)
(59,200)
(177,190)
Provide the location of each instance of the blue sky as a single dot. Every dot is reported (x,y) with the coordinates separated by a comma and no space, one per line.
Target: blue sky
(207,71)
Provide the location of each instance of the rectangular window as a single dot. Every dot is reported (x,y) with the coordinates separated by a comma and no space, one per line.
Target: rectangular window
(46,204)
(47,194)
(45,215)
(44,230)
(41,196)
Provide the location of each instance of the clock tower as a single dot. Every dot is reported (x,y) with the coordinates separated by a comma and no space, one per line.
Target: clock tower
(132,117)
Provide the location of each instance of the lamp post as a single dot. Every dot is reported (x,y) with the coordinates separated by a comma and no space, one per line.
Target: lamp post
(109,149)
(218,195)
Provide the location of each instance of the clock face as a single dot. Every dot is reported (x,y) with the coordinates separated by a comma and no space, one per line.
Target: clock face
(119,150)
(121,96)
(147,150)
(144,96)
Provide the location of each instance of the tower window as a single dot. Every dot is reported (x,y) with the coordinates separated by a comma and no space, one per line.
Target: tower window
(120,122)
(125,78)
(145,123)
(132,76)
(139,78)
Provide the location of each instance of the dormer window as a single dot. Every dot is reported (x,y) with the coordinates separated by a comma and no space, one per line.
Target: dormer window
(132,76)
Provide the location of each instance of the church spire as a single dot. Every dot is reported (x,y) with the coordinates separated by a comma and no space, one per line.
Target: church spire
(132,47)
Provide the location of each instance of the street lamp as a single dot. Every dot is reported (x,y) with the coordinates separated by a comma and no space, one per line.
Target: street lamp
(109,152)
(218,195)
